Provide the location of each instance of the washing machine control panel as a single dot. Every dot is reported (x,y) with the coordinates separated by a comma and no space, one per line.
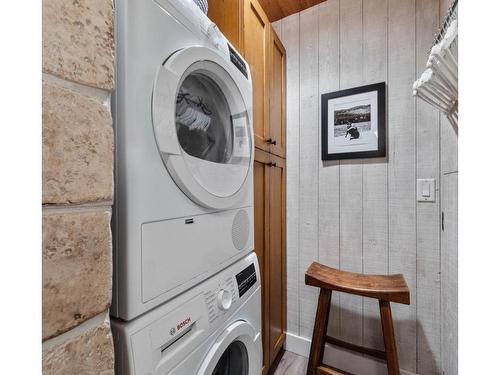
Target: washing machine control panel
(159,341)
(224,300)
(220,299)
(246,279)
(231,288)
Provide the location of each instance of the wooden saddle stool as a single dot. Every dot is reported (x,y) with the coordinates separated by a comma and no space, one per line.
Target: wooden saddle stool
(385,288)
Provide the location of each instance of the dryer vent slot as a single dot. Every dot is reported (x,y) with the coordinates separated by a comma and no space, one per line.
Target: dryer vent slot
(240,229)
(175,340)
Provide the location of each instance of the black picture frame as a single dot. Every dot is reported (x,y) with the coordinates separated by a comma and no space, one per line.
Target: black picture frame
(380,89)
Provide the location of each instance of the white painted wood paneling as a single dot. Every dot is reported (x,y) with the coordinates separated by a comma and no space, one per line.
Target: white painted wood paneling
(401,170)
(352,362)
(428,213)
(308,164)
(351,174)
(449,146)
(375,218)
(328,210)
(449,243)
(362,215)
(290,38)
(449,251)
(449,140)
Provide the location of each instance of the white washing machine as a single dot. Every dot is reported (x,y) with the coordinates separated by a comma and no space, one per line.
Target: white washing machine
(184,153)
(212,329)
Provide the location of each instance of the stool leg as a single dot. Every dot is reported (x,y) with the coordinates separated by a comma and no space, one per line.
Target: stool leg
(389,338)
(319,333)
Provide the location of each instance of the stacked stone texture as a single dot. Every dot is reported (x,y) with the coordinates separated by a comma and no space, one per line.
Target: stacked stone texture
(77,134)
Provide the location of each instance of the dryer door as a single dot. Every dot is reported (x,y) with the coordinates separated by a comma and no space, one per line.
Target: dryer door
(236,352)
(202,125)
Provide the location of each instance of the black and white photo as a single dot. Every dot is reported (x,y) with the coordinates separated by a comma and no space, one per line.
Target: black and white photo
(353,123)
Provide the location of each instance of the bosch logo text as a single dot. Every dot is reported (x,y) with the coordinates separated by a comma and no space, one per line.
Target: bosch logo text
(183,323)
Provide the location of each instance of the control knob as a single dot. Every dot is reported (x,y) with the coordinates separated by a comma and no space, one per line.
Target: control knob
(224,300)
(216,37)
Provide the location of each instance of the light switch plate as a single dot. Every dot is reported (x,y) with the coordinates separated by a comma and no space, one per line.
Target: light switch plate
(426,190)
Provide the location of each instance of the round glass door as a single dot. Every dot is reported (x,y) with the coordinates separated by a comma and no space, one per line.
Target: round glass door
(212,129)
(234,361)
(203,120)
(238,351)
(203,127)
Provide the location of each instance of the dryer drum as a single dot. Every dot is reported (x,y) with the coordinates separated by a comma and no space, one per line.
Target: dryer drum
(203,119)
(192,112)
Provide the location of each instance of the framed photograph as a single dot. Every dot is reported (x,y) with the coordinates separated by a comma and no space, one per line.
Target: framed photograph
(353,123)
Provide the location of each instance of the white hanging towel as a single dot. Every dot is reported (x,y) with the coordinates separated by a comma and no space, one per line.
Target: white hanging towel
(438,84)
(189,114)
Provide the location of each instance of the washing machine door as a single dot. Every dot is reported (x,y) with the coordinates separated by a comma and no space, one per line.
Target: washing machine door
(202,125)
(236,352)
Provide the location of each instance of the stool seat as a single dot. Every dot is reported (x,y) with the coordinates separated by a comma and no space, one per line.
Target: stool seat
(385,288)
(392,288)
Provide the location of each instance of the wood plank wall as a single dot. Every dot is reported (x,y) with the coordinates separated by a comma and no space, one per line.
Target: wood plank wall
(449,238)
(362,215)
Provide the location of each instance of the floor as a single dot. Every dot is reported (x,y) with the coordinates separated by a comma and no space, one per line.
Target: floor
(294,364)
(291,364)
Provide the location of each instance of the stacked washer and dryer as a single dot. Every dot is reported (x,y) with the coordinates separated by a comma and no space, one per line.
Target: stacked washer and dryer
(186,288)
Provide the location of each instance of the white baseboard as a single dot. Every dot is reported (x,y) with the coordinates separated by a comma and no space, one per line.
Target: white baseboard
(342,359)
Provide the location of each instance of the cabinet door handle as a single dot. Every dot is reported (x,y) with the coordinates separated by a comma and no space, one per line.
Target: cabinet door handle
(271,141)
(271,164)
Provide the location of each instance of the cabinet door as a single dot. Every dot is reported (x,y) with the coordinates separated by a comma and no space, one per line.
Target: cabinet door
(261,218)
(228,16)
(277,257)
(277,96)
(256,35)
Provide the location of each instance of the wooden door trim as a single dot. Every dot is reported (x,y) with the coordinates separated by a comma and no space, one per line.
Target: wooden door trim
(275,347)
(241,20)
(264,158)
(282,163)
(278,149)
(253,6)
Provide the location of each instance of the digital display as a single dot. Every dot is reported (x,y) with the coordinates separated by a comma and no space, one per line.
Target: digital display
(246,279)
(238,62)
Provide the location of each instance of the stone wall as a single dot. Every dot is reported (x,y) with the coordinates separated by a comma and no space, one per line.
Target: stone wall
(77,135)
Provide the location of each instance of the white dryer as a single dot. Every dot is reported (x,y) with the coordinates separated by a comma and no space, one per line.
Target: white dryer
(184,153)
(212,329)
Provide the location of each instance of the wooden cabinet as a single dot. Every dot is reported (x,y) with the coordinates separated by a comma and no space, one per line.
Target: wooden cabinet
(270,246)
(277,96)
(247,27)
(255,50)
(228,16)
(276,284)
(261,219)
(267,59)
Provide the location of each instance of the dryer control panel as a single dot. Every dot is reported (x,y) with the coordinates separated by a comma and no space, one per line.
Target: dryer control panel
(238,61)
